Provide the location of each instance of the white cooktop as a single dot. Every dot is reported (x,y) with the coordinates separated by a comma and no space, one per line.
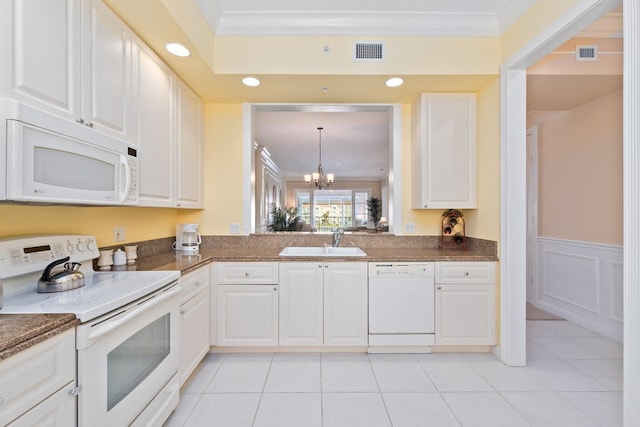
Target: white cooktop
(102,293)
(22,260)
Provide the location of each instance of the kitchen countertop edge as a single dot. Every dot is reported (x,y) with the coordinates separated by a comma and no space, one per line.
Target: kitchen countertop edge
(21,331)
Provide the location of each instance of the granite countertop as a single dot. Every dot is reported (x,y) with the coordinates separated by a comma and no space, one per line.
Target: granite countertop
(178,261)
(21,331)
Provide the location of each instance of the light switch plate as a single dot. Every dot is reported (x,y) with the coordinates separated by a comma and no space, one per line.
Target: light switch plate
(234,228)
(410,228)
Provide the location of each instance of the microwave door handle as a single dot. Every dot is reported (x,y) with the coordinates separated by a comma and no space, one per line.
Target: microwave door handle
(124,166)
(107,327)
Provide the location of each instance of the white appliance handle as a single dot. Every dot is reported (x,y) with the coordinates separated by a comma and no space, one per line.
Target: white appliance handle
(105,328)
(124,192)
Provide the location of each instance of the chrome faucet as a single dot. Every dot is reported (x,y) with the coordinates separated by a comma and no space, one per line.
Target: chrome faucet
(336,237)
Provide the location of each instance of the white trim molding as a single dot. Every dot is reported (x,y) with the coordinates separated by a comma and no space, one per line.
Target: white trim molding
(386,23)
(581,282)
(631,179)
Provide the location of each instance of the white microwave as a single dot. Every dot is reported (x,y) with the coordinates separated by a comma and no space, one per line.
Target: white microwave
(52,160)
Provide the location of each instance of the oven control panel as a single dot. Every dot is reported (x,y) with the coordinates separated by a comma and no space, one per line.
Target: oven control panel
(22,255)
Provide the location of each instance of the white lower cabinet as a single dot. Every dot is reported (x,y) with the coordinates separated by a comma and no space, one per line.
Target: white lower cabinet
(301,303)
(246,304)
(37,386)
(323,303)
(195,322)
(247,315)
(465,303)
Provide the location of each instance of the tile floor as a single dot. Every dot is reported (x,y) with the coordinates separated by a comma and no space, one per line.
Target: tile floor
(573,378)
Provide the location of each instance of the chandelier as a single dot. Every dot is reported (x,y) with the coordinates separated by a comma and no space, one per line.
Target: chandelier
(319,179)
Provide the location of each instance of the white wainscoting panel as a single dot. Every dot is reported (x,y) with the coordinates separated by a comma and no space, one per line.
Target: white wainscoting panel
(581,282)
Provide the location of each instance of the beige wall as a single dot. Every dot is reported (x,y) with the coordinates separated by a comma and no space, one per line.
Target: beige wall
(580,172)
(139,223)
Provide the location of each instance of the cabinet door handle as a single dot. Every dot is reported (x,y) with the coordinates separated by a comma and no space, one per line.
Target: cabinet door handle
(183,311)
(246,274)
(466,273)
(326,266)
(319,265)
(438,287)
(80,120)
(275,289)
(196,283)
(89,124)
(74,391)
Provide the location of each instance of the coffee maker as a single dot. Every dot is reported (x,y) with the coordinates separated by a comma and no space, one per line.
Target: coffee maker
(188,239)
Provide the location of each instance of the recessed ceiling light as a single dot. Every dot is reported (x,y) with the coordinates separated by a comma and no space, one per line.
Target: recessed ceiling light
(394,82)
(251,81)
(177,49)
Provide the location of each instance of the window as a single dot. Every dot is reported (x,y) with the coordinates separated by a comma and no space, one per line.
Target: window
(327,210)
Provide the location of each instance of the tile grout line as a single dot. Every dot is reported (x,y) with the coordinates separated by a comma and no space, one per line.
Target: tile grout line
(191,378)
(266,378)
(438,391)
(375,377)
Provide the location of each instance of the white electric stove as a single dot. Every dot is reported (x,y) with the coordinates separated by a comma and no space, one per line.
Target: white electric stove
(128,342)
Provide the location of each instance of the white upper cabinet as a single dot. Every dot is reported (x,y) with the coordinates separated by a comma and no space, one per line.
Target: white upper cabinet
(169,129)
(444,169)
(71,58)
(155,113)
(42,42)
(106,103)
(189,153)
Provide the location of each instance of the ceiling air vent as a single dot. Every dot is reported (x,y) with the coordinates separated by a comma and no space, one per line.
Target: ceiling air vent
(368,52)
(587,52)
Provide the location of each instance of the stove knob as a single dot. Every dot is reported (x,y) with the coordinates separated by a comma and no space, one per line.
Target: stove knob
(91,245)
(80,246)
(69,247)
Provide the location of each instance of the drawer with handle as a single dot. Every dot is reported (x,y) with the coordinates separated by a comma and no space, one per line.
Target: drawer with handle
(465,272)
(252,273)
(194,282)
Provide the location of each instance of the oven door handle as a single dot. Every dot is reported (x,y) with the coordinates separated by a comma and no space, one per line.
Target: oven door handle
(105,328)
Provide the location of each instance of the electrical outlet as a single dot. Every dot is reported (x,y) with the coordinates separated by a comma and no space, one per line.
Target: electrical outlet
(118,234)
(234,228)
(410,228)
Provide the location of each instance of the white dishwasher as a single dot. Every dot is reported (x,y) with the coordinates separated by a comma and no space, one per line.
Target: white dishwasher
(401,307)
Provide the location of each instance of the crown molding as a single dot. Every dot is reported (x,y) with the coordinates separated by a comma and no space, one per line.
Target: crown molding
(358,23)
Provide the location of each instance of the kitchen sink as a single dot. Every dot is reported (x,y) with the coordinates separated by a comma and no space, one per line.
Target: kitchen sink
(311,251)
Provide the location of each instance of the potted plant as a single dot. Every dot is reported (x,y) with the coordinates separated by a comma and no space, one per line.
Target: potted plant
(373,208)
(283,219)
